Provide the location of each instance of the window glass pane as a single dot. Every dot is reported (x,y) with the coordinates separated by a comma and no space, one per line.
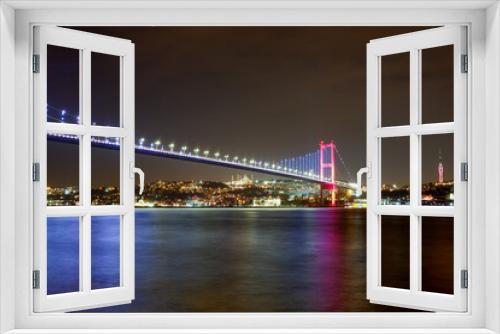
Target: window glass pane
(437,169)
(63,85)
(63,255)
(437,254)
(437,84)
(395,188)
(395,251)
(105,158)
(105,252)
(63,168)
(105,89)
(395,89)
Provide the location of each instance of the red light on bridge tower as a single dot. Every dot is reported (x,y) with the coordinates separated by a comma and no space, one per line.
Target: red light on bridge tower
(327,167)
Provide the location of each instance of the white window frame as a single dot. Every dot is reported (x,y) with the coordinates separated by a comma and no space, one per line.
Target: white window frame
(414,44)
(16,21)
(86,44)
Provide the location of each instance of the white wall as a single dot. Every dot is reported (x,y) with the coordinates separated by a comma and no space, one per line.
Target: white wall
(6,167)
(492,171)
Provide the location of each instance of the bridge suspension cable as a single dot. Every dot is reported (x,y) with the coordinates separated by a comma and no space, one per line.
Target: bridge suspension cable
(349,175)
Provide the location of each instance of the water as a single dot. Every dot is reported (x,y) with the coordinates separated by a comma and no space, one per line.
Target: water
(247,260)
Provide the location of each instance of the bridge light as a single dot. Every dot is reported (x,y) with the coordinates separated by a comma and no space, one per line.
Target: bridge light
(273,166)
(244,160)
(206,152)
(141,141)
(157,143)
(279,167)
(252,161)
(196,150)
(216,154)
(226,156)
(184,148)
(235,158)
(171,146)
(266,164)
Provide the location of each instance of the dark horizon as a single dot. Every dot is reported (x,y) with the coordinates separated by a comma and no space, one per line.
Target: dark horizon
(268,92)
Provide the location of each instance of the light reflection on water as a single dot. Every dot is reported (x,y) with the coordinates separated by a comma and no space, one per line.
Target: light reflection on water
(249,260)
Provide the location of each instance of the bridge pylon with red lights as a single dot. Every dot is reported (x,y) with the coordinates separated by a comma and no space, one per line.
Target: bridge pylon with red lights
(327,169)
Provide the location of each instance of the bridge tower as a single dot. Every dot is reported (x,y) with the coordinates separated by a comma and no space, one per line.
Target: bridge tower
(440,169)
(327,167)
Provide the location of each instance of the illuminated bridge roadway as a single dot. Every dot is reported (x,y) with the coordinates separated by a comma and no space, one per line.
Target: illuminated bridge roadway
(317,166)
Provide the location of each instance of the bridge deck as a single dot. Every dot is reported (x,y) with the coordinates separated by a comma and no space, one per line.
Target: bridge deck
(206,160)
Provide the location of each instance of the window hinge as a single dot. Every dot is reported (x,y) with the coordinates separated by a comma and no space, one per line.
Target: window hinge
(36,63)
(464,171)
(36,279)
(465,64)
(464,279)
(36,172)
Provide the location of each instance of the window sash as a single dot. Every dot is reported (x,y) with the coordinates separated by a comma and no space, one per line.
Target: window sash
(413,43)
(86,297)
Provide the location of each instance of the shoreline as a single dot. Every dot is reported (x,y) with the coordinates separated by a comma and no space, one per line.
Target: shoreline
(249,208)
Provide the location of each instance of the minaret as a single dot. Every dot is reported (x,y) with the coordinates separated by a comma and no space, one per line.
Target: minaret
(440,168)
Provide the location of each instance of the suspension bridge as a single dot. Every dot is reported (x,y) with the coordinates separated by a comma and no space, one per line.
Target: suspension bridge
(318,166)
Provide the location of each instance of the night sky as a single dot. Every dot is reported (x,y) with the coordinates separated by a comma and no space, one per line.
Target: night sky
(261,92)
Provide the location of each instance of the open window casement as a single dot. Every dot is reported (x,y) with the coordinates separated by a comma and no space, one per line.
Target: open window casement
(74,229)
(412,216)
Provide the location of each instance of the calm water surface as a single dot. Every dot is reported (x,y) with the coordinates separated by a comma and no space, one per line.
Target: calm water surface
(243,260)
